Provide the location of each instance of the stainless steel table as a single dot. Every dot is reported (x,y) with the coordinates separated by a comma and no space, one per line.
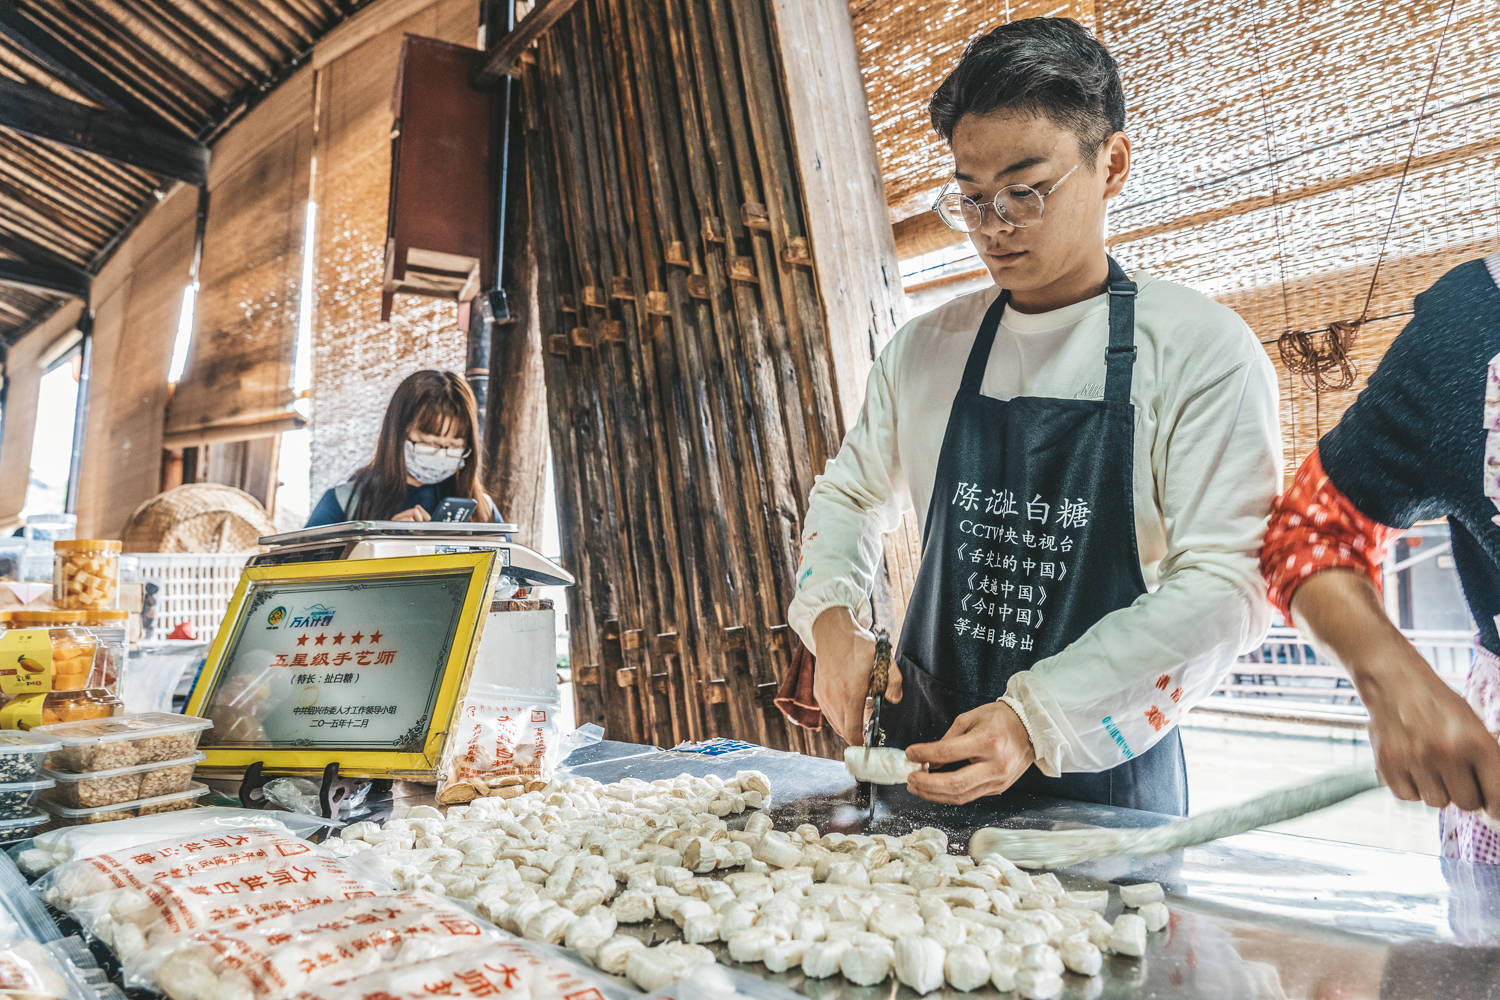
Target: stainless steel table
(1263,915)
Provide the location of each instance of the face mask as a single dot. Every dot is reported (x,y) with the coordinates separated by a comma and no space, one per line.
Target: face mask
(428,466)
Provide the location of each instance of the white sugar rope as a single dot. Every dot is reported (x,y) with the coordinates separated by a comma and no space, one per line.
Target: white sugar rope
(1060,848)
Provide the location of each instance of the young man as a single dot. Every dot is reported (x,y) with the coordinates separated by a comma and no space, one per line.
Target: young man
(1421,441)
(1093,457)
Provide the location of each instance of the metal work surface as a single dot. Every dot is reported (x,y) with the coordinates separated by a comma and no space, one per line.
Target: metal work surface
(1262,915)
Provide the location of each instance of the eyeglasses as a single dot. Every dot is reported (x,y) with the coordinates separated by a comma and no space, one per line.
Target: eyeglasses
(1018,205)
(432,450)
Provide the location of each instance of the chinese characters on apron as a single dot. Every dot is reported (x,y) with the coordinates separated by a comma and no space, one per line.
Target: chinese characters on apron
(1029,541)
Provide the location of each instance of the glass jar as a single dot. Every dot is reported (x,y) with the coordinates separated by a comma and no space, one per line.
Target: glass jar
(86,574)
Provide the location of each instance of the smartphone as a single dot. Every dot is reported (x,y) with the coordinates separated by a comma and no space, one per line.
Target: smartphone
(455,509)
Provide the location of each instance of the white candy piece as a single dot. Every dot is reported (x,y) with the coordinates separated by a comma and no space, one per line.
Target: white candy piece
(821,960)
(1003,971)
(919,963)
(783,955)
(1156,916)
(879,765)
(750,945)
(966,967)
(614,954)
(866,963)
(1136,896)
(1098,901)
(1080,956)
(1042,958)
(1128,936)
(1035,984)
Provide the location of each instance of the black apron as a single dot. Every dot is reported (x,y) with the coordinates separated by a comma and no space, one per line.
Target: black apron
(1029,541)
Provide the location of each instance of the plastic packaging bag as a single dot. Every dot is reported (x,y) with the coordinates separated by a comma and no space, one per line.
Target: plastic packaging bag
(238,888)
(501,739)
(722,983)
(36,962)
(310,951)
(505,967)
(57,847)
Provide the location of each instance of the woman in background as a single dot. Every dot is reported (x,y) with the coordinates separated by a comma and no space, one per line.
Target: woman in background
(427,453)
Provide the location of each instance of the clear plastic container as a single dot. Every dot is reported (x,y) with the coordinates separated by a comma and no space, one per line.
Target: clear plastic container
(71,631)
(22,755)
(19,799)
(186,799)
(123,784)
(124,741)
(22,827)
(86,574)
(49,528)
(35,711)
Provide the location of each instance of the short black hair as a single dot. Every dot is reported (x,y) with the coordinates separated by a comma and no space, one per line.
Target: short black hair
(1050,66)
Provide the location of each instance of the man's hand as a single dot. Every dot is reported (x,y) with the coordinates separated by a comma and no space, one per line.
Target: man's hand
(1428,742)
(841,681)
(995,743)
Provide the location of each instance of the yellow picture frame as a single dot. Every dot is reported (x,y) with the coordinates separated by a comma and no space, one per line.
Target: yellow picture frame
(406,765)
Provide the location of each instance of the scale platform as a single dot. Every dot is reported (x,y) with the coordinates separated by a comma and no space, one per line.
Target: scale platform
(391,539)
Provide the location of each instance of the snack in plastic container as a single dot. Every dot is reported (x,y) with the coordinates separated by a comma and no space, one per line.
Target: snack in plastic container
(230,890)
(64,816)
(74,843)
(93,641)
(34,711)
(311,950)
(22,754)
(501,968)
(21,828)
(19,799)
(124,741)
(86,573)
(125,784)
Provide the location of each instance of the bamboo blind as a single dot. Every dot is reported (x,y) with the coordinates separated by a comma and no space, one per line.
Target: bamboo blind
(1269,142)
(688,366)
(139,300)
(357,360)
(906,48)
(239,373)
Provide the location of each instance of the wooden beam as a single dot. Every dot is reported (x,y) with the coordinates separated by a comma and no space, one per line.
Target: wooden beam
(38,112)
(35,253)
(45,277)
(505,53)
(68,66)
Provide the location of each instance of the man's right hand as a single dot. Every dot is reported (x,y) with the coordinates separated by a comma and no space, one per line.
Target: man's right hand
(841,681)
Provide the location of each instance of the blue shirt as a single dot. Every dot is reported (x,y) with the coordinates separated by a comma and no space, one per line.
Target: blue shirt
(328,510)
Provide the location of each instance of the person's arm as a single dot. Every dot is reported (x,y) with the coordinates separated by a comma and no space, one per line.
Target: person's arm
(860,496)
(1322,561)
(1117,690)
(328,510)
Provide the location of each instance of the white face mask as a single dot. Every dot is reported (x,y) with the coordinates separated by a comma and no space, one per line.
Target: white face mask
(429,465)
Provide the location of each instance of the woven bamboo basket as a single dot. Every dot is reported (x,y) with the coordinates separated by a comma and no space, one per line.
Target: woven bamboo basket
(198,517)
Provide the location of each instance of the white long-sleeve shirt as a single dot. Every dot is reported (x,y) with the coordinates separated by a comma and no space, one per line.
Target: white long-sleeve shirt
(1207,465)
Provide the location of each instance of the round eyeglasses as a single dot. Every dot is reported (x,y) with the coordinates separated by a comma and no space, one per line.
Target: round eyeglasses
(1017,205)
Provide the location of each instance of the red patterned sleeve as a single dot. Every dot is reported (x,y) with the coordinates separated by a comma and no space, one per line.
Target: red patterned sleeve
(1315,527)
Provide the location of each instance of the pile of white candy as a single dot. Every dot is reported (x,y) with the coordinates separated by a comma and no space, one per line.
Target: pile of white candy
(568,864)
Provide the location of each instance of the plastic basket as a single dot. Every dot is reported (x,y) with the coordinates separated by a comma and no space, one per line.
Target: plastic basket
(190,588)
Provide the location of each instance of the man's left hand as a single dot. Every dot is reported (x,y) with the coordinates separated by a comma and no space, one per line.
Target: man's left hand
(994,742)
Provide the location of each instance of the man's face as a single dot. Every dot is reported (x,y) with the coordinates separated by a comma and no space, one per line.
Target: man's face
(1008,147)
